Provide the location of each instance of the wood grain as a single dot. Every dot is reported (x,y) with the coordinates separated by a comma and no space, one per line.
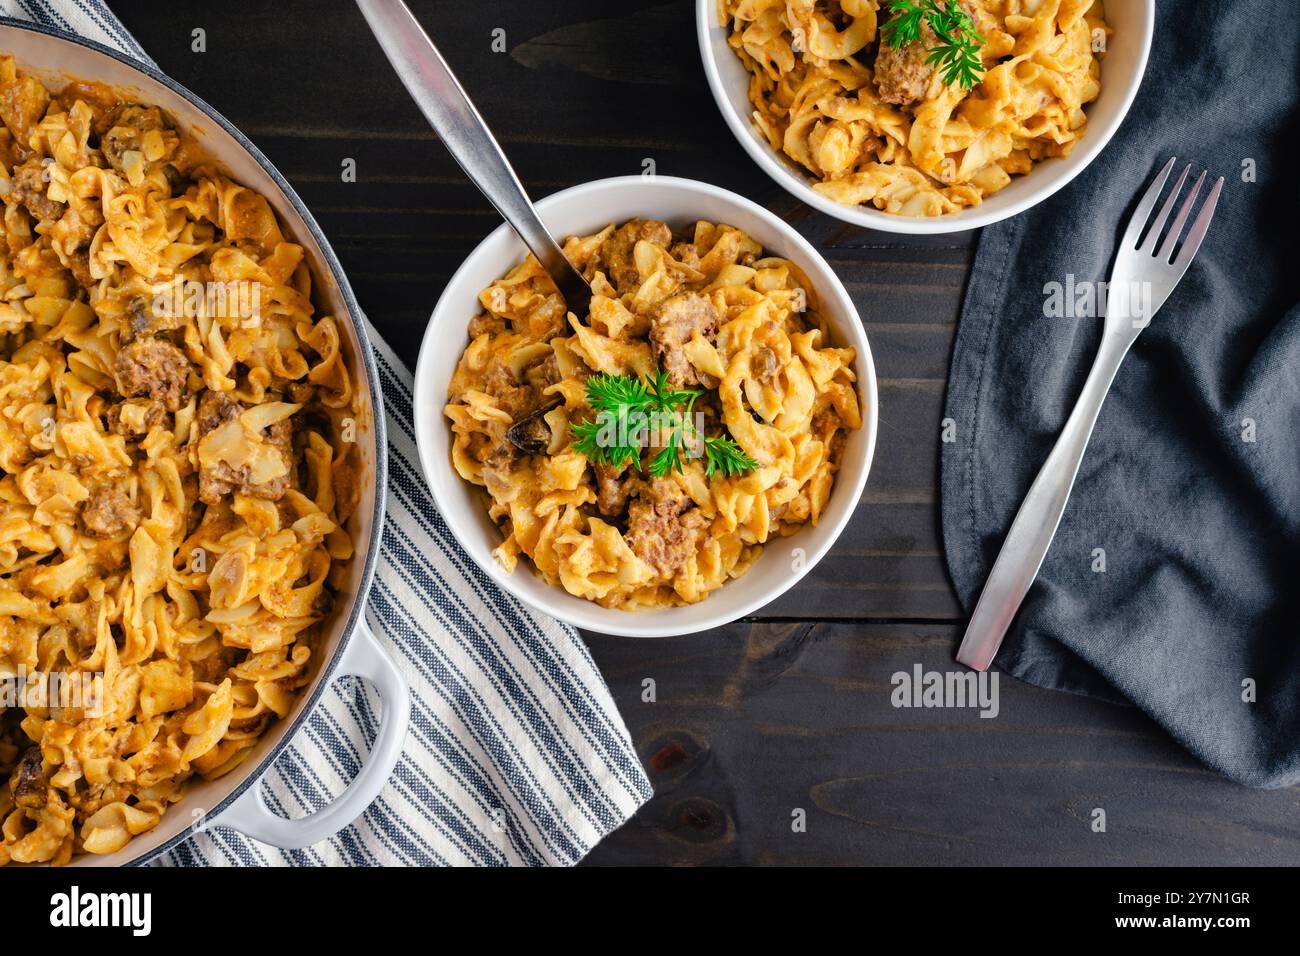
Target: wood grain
(791,710)
(761,720)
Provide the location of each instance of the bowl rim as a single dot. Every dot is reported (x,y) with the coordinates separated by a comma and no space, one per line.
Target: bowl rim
(796,183)
(252,774)
(691,618)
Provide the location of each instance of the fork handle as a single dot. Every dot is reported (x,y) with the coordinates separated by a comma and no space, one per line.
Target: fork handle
(1035,524)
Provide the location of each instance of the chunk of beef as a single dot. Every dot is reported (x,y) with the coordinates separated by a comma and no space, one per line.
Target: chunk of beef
(902,75)
(108,513)
(765,366)
(616,251)
(687,253)
(827,426)
(100,97)
(497,471)
(613,487)
(125,128)
(28,782)
(215,409)
(29,188)
(824,420)
(155,368)
(673,324)
(548,371)
(663,526)
(79,266)
(500,382)
(487,322)
(218,480)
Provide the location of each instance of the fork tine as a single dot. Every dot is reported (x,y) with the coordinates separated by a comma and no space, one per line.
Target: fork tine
(1166,253)
(1153,234)
(1200,226)
(1143,210)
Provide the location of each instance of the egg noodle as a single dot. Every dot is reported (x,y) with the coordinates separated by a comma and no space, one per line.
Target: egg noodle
(874,124)
(714,314)
(175,469)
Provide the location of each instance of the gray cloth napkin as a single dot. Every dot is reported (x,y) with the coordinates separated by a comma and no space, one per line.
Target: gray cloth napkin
(1189,496)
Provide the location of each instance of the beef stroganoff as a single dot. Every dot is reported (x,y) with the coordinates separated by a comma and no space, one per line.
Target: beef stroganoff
(176,473)
(878,119)
(724,341)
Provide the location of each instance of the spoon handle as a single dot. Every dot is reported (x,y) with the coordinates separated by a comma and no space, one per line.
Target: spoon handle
(434,88)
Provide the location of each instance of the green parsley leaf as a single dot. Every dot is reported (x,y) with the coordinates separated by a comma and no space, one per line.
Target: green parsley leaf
(956,54)
(724,455)
(628,408)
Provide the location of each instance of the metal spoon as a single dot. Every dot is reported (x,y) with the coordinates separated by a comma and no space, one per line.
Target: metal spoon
(453,117)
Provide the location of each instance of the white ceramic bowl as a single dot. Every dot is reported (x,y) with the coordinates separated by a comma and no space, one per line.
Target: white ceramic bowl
(583,210)
(1121,74)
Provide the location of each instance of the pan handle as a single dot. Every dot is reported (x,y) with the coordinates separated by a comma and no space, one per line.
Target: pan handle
(364,657)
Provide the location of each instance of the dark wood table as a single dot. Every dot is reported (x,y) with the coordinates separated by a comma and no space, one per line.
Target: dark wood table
(790,710)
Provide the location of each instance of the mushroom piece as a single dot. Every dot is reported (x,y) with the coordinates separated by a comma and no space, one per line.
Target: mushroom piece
(29,786)
(531,433)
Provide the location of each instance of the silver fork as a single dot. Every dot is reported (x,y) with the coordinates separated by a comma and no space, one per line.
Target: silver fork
(1140,282)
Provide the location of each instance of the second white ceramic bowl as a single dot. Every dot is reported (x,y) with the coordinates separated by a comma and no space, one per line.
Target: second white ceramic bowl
(579,211)
(1121,74)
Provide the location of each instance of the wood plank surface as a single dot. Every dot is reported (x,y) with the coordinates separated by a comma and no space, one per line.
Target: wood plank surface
(762,720)
(790,710)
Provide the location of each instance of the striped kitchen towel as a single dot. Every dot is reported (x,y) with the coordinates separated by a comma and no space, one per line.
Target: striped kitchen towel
(517,754)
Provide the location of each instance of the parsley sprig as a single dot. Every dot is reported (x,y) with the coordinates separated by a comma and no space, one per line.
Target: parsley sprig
(628,409)
(956,55)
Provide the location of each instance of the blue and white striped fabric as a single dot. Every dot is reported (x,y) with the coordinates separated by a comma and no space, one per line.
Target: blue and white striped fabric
(517,754)
(88,18)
